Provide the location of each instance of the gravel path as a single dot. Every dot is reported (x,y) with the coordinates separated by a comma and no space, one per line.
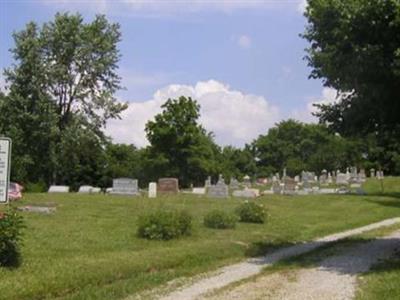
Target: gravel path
(334,277)
(251,267)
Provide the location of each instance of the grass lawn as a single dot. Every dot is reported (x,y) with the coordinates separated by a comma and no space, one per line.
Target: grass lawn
(88,249)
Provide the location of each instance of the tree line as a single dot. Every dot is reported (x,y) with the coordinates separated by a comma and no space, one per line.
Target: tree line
(61,93)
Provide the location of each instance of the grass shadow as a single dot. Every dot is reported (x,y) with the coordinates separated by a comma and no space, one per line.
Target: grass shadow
(349,256)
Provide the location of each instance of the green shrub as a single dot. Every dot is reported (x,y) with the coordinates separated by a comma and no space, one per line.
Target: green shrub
(251,212)
(11,224)
(220,220)
(164,225)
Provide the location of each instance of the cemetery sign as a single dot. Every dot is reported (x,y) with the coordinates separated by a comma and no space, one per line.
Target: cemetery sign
(5,164)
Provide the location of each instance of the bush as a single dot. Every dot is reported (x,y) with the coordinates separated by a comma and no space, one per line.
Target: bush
(251,212)
(220,220)
(164,225)
(11,224)
(38,187)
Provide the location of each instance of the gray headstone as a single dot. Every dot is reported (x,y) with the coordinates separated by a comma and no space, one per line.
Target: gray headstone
(125,186)
(246,193)
(220,190)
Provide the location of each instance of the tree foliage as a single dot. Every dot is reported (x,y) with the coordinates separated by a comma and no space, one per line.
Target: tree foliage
(61,92)
(297,147)
(180,147)
(355,48)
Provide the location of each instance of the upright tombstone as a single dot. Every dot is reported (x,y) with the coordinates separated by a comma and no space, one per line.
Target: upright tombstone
(58,189)
(220,190)
(372,173)
(207,183)
(329,180)
(85,189)
(168,186)
(152,190)
(323,178)
(362,177)
(125,186)
(234,184)
(289,187)
(5,165)
(247,181)
(276,187)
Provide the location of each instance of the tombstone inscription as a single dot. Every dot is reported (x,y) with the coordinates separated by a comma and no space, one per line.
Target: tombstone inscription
(168,186)
(220,190)
(125,186)
(152,190)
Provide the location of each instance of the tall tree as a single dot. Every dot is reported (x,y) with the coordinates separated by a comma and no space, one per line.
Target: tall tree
(64,73)
(297,146)
(180,147)
(355,48)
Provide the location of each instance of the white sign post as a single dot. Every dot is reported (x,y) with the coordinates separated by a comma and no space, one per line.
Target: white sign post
(5,166)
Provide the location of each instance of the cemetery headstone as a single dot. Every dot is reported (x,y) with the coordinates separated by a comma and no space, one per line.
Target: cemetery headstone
(199,191)
(276,187)
(5,165)
(362,176)
(289,187)
(125,186)
(372,173)
(96,190)
(220,190)
(246,193)
(234,184)
(168,186)
(85,189)
(329,180)
(152,190)
(58,189)
(207,183)
(247,181)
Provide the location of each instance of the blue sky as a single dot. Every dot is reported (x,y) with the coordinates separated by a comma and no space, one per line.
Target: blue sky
(245,49)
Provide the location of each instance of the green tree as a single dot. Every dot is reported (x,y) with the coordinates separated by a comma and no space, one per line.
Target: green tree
(355,48)
(179,146)
(298,146)
(64,79)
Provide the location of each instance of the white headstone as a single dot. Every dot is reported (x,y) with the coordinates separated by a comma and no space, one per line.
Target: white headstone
(152,190)
(5,165)
(58,189)
(199,191)
(85,189)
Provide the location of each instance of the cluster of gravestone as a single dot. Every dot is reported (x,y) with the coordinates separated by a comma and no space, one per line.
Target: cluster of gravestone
(304,184)
(327,183)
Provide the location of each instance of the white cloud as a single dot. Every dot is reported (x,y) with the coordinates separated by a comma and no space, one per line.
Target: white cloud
(328,96)
(159,8)
(234,117)
(244,41)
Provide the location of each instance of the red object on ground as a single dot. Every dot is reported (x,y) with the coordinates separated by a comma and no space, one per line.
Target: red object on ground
(15,191)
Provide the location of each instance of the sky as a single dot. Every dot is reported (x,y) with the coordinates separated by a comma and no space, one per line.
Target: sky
(242,60)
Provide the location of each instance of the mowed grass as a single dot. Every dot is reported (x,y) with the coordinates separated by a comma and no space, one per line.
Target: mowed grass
(88,249)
